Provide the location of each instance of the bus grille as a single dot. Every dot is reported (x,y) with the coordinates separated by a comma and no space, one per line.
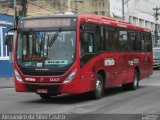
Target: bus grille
(42,73)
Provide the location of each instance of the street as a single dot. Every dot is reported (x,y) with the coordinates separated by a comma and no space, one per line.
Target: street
(145,99)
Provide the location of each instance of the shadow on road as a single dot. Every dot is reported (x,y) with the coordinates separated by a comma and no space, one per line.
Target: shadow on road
(78,98)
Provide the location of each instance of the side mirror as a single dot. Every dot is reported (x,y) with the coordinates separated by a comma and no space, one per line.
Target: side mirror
(9,42)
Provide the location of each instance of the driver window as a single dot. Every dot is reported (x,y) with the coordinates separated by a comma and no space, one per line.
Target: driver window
(86,43)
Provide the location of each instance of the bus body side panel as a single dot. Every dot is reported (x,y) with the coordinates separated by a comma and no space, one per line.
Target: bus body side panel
(116,68)
(146,64)
(120,72)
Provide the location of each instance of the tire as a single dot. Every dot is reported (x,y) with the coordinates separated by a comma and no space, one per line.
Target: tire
(99,88)
(45,96)
(134,85)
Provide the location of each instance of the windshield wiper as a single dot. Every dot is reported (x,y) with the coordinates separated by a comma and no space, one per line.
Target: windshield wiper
(54,38)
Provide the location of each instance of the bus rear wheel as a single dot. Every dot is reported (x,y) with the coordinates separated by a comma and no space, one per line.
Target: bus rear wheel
(99,88)
(134,85)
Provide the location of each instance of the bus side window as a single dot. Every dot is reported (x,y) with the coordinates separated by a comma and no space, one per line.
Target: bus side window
(138,43)
(123,40)
(148,42)
(98,35)
(142,38)
(132,41)
(87,41)
(111,39)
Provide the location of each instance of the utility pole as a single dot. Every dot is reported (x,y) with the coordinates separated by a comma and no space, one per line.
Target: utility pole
(123,10)
(24,7)
(156,14)
(15,14)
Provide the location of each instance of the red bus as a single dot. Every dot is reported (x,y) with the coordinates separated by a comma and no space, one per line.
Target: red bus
(78,54)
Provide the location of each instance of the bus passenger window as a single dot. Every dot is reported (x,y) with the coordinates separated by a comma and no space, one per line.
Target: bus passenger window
(111,39)
(148,42)
(98,34)
(123,40)
(138,41)
(142,42)
(132,41)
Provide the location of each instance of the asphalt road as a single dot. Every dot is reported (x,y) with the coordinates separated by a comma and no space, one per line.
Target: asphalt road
(144,100)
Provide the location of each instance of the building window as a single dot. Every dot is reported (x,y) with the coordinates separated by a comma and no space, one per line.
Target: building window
(4,50)
(134,21)
(141,22)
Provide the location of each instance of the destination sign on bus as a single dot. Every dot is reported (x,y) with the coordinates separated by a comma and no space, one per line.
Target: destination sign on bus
(47,22)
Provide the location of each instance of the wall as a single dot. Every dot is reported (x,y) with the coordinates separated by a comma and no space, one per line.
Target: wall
(116,8)
(6,68)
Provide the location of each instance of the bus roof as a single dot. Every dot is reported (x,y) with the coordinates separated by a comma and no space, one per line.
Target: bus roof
(55,16)
(111,22)
(97,19)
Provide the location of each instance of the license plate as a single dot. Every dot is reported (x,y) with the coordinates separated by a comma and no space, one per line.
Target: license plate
(42,91)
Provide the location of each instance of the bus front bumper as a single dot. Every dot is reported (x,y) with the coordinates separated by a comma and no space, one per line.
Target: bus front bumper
(48,88)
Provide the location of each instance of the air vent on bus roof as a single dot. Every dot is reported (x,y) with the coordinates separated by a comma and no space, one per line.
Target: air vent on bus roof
(115,20)
(110,19)
(124,22)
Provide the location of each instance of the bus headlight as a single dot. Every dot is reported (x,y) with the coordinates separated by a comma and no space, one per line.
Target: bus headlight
(70,77)
(18,77)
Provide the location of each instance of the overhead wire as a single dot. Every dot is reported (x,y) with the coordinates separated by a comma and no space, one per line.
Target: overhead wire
(140,11)
(151,3)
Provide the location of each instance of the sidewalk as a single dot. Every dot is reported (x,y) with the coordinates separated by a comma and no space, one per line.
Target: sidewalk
(6,82)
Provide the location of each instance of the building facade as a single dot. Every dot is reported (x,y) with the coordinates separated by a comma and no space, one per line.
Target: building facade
(115,9)
(6,68)
(51,7)
(141,13)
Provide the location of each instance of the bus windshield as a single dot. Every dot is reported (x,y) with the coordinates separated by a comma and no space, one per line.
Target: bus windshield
(46,49)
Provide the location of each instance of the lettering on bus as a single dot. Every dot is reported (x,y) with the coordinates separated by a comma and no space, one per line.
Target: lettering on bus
(109,62)
(55,62)
(93,20)
(30,79)
(32,58)
(54,79)
(131,62)
(49,22)
(136,61)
